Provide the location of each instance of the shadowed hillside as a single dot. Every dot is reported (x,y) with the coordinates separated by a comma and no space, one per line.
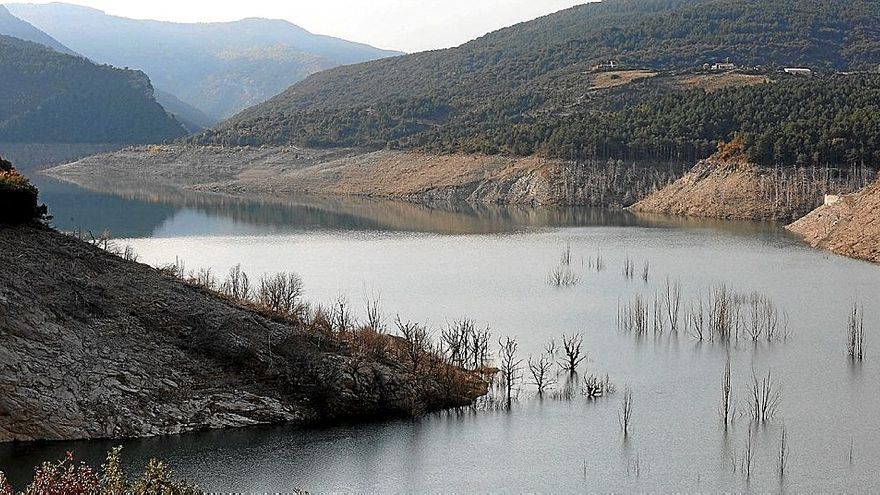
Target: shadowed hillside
(51,97)
(219,68)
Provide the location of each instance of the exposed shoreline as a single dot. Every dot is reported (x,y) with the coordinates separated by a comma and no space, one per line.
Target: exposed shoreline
(848,227)
(398,175)
(95,346)
(724,186)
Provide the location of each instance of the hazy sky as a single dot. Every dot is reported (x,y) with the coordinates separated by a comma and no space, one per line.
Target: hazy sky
(408,25)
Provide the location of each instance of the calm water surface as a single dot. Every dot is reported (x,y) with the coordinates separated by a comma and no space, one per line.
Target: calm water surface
(491,265)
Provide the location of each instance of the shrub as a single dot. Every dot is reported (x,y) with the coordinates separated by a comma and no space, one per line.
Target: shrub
(66,477)
(157,479)
(18,196)
(281,293)
(5,487)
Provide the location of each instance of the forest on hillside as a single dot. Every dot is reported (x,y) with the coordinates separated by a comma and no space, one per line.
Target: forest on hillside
(51,97)
(832,119)
(530,89)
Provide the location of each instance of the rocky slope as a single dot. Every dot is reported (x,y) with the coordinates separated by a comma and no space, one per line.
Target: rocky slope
(93,346)
(411,176)
(849,227)
(727,186)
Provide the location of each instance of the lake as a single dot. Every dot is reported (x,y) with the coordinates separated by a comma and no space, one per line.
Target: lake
(491,264)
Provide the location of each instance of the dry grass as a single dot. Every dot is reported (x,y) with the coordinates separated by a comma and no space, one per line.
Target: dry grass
(13,179)
(714,82)
(605,80)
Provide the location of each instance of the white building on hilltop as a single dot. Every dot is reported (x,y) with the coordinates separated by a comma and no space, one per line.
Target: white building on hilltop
(720,66)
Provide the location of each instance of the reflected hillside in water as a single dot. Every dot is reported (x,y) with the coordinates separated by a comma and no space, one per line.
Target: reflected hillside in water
(129,211)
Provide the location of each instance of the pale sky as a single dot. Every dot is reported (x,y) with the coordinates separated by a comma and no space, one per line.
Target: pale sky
(406,25)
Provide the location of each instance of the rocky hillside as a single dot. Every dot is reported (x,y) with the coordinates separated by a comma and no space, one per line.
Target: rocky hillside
(849,227)
(411,176)
(94,346)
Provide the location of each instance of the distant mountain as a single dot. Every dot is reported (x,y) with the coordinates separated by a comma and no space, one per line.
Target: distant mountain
(219,68)
(51,97)
(17,28)
(193,119)
(531,89)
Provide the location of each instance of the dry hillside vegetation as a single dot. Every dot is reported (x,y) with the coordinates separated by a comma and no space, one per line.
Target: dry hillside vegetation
(619,78)
(714,82)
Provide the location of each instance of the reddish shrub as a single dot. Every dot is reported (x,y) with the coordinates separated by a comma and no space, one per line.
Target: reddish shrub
(65,477)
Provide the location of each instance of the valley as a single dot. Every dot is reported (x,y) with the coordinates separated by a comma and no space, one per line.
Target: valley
(602,250)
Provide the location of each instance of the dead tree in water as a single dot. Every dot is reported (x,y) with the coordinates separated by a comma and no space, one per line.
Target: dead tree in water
(510,366)
(673,304)
(628,268)
(634,317)
(765,399)
(596,386)
(782,460)
(856,333)
(572,347)
(626,411)
(540,370)
(726,401)
(565,259)
(748,456)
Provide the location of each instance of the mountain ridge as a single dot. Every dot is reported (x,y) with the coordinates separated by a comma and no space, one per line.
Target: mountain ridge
(531,88)
(18,28)
(51,97)
(189,60)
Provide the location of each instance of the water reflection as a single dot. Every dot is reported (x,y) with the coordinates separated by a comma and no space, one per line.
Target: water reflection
(131,211)
(568,443)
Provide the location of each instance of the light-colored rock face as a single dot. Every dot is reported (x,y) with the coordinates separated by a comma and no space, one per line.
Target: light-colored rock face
(849,226)
(92,346)
(410,176)
(736,189)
